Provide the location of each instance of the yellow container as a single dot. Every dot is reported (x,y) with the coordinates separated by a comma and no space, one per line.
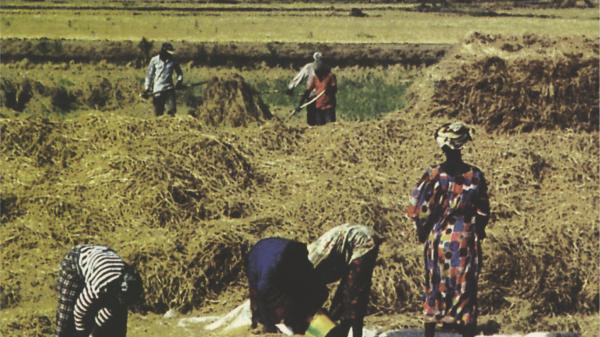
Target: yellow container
(319,326)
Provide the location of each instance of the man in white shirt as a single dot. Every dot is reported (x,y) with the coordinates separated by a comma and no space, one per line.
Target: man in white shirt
(159,82)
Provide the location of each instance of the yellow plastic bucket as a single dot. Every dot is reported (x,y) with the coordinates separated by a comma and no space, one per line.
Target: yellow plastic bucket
(319,326)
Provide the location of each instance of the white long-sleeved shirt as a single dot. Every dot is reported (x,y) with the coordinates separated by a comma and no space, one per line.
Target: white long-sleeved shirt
(159,76)
(99,266)
(307,71)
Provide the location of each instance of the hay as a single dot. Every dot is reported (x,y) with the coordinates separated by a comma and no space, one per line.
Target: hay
(26,95)
(15,96)
(226,101)
(29,325)
(110,194)
(514,84)
(185,205)
(197,264)
(231,101)
(184,202)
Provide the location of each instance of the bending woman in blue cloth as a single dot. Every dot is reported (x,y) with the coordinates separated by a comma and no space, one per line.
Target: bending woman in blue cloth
(283,285)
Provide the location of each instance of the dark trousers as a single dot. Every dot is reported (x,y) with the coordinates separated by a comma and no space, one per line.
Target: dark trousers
(331,115)
(321,116)
(164,100)
(311,114)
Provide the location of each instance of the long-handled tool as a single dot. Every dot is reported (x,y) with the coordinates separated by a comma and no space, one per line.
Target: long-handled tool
(146,95)
(195,84)
(314,99)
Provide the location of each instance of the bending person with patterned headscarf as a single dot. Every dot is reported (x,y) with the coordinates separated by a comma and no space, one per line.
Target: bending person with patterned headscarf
(347,253)
(450,208)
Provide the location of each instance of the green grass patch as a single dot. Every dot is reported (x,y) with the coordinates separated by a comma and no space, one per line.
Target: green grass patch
(364,93)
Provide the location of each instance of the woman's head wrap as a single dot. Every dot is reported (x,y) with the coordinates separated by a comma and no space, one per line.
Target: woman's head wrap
(317,56)
(454,135)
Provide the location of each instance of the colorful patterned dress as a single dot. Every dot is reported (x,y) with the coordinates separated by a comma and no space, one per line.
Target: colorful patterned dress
(445,208)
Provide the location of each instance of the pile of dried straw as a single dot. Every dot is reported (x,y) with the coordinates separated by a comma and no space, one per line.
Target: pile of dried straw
(184,203)
(231,101)
(520,83)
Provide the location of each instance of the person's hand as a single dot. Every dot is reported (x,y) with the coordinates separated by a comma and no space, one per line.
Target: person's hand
(480,228)
(179,85)
(146,94)
(481,234)
(256,330)
(297,109)
(289,92)
(79,333)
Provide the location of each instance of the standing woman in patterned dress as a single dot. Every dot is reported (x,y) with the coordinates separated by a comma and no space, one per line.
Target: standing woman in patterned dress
(450,208)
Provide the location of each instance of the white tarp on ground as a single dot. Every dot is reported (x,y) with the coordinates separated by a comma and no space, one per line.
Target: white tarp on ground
(236,318)
(241,316)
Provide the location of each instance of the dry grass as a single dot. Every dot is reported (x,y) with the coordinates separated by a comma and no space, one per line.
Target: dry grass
(519,83)
(231,102)
(68,88)
(185,202)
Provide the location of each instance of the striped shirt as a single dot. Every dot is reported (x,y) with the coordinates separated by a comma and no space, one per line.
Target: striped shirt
(99,266)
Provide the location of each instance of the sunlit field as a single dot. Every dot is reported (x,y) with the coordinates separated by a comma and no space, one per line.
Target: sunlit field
(83,158)
(326,24)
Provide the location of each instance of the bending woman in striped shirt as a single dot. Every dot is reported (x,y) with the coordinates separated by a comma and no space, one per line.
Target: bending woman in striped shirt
(95,288)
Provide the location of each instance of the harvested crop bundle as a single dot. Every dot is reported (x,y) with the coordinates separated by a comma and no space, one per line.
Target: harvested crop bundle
(63,96)
(233,102)
(516,84)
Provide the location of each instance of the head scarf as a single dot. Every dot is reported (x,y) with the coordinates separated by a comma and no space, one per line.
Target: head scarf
(317,56)
(454,135)
(167,48)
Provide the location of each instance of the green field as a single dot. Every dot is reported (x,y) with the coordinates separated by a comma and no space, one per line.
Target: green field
(365,92)
(320,23)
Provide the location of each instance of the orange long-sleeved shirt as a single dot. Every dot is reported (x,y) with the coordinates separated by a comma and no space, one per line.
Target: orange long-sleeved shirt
(327,83)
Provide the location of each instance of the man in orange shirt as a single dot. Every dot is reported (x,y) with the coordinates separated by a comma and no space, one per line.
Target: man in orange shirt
(324,85)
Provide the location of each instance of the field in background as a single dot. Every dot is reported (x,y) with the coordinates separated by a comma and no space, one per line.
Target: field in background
(364,92)
(314,23)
